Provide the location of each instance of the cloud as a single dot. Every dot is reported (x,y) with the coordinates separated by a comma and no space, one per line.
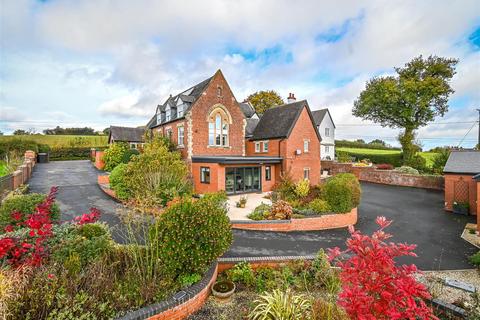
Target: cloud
(123,107)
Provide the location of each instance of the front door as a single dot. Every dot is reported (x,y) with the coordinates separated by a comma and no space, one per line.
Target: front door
(242,179)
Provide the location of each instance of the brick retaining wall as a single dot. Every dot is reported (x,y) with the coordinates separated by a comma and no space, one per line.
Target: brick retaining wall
(323,222)
(20,176)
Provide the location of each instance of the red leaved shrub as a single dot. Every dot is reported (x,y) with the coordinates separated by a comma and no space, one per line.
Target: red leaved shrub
(384,166)
(373,286)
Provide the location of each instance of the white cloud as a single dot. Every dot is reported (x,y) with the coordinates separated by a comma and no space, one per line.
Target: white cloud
(122,107)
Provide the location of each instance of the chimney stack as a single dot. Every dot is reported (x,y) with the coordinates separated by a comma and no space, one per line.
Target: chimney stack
(291,98)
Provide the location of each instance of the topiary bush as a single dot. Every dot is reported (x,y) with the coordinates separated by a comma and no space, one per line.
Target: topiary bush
(319,206)
(118,152)
(23,205)
(117,182)
(342,192)
(191,234)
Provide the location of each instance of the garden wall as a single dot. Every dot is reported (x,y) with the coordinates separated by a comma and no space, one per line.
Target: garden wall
(180,305)
(390,177)
(20,176)
(323,222)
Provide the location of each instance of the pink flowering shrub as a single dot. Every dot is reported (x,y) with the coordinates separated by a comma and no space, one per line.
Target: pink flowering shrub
(373,286)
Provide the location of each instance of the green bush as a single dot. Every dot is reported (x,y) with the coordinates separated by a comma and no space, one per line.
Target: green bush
(475,259)
(286,188)
(118,152)
(417,162)
(24,203)
(319,206)
(190,234)
(242,272)
(280,304)
(395,159)
(302,188)
(407,170)
(17,145)
(157,175)
(342,192)
(343,157)
(440,160)
(117,182)
(260,212)
(64,153)
(359,144)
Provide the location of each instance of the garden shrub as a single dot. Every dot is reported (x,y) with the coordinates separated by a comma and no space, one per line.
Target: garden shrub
(242,272)
(17,145)
(281,210)
(417,162)
(190,234)
(118,152)
(407,170)
(189,279)
(260,212)
(384,166)
(281,305)
(343,157)
(475,259)
(319,206)
(342,192)
(286,188)
(69,153)
(117,182)
(17,209)
(302,188)
(324,309)
(395,159)
(440,160)
(157,175)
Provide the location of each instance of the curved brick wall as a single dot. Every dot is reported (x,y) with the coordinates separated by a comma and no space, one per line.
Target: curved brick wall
(328,221)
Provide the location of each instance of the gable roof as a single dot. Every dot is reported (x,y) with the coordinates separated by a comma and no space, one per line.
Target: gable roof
(186,98)
(247,109)
(465,161)
(250,127)
(279,121)
(126,134)
(318,116)
(477,176)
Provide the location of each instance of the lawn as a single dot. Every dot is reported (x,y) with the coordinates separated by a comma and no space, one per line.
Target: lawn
(429,156)
(59,141)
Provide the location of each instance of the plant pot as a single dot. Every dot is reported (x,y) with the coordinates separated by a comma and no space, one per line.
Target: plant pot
(460,210)
(223,289)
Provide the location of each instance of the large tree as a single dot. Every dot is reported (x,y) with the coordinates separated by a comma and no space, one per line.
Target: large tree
(409,100)
(264,100)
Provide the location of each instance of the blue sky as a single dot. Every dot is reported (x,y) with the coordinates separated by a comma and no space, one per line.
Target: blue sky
(96,63)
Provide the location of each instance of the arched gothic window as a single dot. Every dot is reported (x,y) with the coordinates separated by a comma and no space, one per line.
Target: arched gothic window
(218,125)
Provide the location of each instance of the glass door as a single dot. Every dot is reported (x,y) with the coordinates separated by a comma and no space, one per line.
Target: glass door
(230,180)
(240,180)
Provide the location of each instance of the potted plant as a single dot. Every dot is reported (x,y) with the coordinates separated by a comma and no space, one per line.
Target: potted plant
(461,208)
(223,289)
(241,202)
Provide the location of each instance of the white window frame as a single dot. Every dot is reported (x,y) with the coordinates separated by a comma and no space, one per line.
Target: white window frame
(306,173)
(327,132)
(168,113)
(218,132)
(180,110)
(268,173)
(306,146)
(257,146)
(203,176)
(181,137)
(265,146)
(327,149)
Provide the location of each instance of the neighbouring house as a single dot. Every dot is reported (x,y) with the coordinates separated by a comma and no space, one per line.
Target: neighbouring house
(133,136)
(460,186)
(229,147)
(326,127)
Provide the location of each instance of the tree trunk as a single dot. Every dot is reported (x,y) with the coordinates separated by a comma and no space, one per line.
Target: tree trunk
(408,148)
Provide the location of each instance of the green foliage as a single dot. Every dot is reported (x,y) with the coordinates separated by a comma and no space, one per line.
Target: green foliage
(475,259)
(440,160)
(16,146)
(264,100)
(285,305)
(189,279)
(417,162)
(191,234)
(319,206)
(395,159)
(343,157)
(24,203)
(342,192)
(281,210)
(69,153)
(302,188)
(157,175)
(117,182)
(118,152)
(286,188)
(407,170)
(243,273)
(374,144)
(86,131)
(260,212)
(326,309)
(324,274)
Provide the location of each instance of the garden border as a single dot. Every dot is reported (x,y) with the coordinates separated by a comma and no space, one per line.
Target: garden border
(181,304)
(323,222)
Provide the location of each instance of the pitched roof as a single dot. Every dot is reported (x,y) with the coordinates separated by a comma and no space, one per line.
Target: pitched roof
(278,122)
(251,125)
(465,161)
(477,176)
(186,98)
(318,116)
(126,134)
(247,109)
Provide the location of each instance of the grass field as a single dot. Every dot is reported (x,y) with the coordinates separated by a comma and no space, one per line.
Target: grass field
(59,141)
(427,155)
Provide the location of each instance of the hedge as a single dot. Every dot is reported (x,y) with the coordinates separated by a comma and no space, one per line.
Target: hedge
(356,144)
(395,159)
(17,145)
(70,153)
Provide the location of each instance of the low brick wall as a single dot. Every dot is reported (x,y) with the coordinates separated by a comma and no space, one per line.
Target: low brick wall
(323,222)
(21,176)
(103,179)
(99,164)
(257,262)
(180,305)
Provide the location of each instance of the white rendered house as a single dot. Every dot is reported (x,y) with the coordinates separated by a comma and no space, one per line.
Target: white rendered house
(326,128)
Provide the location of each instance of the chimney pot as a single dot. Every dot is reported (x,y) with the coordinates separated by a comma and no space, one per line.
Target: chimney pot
(291,98)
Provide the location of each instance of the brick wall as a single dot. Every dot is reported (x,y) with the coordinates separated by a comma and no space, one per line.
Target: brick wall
(20,176)
(99,164)
(450,181)
(323,222)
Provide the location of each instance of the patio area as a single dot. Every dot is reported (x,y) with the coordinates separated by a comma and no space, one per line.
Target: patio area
(253,201)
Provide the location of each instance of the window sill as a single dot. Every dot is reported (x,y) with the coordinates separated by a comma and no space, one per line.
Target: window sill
(218,147)
(181,146)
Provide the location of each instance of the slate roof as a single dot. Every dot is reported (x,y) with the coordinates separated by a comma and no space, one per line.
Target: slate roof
(126,134)
(318,116)
(477,177)
(251,125)
(186,98)
(247,109)
(464,161)
(278,122)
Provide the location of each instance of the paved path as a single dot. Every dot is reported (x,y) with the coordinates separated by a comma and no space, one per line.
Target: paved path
(417,213)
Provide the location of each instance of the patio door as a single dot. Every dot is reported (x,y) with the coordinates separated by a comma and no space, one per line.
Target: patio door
(242,179)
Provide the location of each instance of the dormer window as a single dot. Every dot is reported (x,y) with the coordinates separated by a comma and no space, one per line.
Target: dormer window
(180,110)
(168,113)
(159,117)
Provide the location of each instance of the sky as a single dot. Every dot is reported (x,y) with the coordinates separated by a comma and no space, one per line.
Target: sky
(104,62)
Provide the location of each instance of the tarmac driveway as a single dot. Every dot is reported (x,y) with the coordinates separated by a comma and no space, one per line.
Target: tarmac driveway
(418,217)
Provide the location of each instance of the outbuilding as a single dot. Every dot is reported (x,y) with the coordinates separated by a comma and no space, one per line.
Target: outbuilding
(461,172)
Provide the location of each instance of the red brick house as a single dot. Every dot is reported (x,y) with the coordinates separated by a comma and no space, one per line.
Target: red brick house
(229,147)
(460,186)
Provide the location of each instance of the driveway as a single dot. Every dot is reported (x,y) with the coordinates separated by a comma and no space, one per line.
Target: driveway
(418,217)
